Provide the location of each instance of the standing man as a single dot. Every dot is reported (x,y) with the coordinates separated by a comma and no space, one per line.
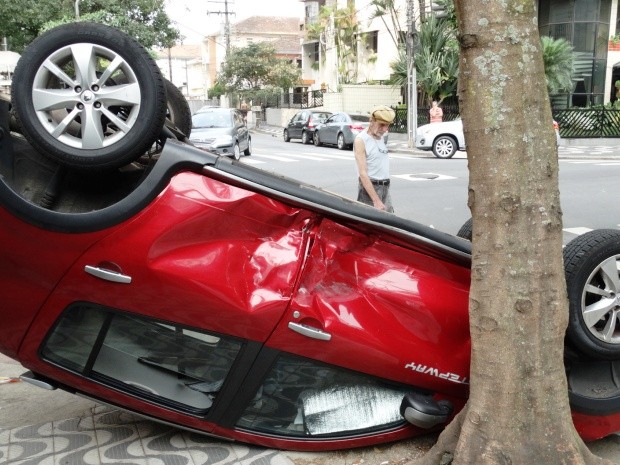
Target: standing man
(373,162)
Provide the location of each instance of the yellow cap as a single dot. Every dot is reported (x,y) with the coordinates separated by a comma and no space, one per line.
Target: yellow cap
(383,114)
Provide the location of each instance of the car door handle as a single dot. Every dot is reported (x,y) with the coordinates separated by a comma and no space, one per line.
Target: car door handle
(308,331)
(107,275)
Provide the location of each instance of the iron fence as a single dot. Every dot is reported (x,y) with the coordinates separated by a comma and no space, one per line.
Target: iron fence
(302,100)
(450,113)
(573,122)
(308,99)
(588,122)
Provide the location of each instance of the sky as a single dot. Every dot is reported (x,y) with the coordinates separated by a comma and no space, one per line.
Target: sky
(192,17)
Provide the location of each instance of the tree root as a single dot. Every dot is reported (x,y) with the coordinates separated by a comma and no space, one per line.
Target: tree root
(444,452)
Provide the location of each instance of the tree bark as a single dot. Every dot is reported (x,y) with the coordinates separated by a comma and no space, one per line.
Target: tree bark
(518,411)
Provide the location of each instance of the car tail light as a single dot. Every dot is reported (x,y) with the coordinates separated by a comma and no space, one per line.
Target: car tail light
(356,127)
(556,126)
(310,123)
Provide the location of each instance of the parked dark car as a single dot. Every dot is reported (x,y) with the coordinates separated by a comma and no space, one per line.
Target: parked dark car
(222,131)
(340,130)
(207,293)
(303,124)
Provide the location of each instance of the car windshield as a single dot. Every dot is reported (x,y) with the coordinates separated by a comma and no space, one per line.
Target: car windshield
(212,119)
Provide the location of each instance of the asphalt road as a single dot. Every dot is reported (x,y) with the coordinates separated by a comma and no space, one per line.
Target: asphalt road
(434,191)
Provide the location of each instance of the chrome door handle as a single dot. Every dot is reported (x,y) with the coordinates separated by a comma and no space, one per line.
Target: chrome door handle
(107,275)
(308,331)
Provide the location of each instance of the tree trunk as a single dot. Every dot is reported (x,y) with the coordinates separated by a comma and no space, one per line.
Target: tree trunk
(518,411)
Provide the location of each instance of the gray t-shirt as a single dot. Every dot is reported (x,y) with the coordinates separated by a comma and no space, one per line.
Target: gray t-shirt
(377,158)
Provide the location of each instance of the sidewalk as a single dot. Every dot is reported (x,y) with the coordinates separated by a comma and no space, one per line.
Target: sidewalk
(52,427)
(570,148)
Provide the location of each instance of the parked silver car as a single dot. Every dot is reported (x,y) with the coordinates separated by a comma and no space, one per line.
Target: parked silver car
(221,131)
(340,130)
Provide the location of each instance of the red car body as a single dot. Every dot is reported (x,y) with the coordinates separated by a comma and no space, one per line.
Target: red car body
(321,301)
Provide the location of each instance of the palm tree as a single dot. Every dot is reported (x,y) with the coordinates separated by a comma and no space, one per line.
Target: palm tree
(558,59)
(436,61)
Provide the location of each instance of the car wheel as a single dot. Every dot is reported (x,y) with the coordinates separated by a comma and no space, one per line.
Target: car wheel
(444,147)
(592,264)
(304,138)
(236,151)
(177,109)
(89,96)
(286,136)
(316,139)
(466,230)
(340,142)
(248,151)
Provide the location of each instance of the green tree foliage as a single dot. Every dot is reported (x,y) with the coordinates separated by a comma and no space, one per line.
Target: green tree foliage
(22,20)
(388,8)
(399,69)
(436,61)
(146,20)
(217,90)
(345,30)
(558,58)
(249,69)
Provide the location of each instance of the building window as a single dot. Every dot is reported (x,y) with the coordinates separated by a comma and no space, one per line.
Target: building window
(585,24)
(315,53)
(371,41)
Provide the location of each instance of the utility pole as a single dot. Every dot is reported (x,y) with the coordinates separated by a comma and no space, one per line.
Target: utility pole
(412,91)
(226,14)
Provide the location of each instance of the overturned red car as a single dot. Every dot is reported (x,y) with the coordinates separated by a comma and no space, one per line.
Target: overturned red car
(200,291)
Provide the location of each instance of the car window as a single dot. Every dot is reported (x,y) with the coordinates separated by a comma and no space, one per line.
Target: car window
(303,398)
(144,357)
(360,118)
(331,119)
(238,118)
(212,119)
(320,116)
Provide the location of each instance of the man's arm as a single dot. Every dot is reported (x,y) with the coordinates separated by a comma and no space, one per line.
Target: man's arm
(359,149)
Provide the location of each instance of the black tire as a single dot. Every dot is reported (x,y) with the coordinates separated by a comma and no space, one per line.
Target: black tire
(591,267)
(126,107)
(236,151)
(444,147)
(177,109)
(316,140)
(247,152)
(466,230)
(304,138)
(340,142)
(286,136)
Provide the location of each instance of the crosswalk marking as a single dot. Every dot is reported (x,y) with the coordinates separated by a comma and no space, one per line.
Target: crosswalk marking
(273,157)
(291,157)
(594,161)
(577,231)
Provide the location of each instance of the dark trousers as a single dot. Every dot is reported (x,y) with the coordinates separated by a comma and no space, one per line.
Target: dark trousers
(383,191)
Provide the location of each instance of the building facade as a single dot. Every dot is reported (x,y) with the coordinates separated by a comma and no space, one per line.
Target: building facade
(591,26)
